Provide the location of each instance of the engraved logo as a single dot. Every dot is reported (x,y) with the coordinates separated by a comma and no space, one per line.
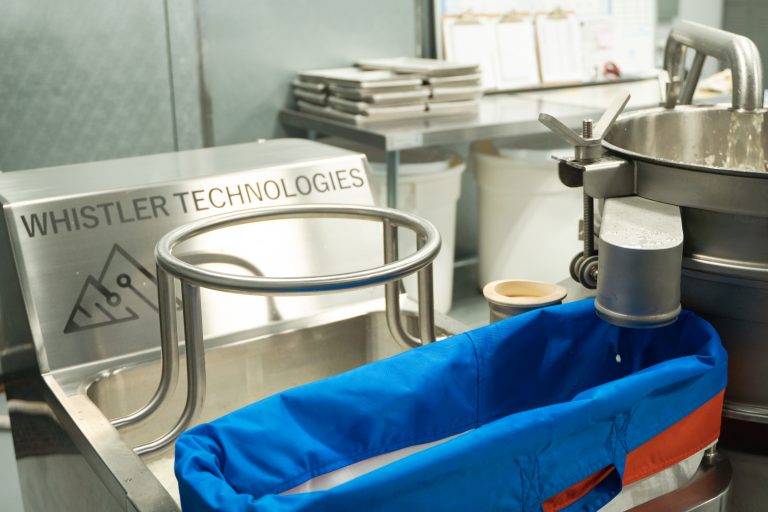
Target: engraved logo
(123,291)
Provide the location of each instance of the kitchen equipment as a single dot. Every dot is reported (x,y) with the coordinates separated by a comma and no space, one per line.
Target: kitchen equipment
(684,222)
(80,348)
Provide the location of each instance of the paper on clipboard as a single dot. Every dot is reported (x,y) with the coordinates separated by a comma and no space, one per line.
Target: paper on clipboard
(599,46)
(473,42)
(560,48)
(516,54)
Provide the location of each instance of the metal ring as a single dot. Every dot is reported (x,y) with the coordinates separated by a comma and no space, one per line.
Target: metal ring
(193,278)
(287,285)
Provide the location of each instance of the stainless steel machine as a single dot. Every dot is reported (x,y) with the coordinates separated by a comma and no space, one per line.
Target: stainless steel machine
(89,332)
(684,220)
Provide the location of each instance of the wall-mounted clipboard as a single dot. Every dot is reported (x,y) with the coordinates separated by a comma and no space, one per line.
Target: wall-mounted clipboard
(472,38)
(559,46)
(516,59)
(631,46)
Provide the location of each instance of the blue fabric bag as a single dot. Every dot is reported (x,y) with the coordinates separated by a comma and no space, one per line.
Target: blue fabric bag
(542,400)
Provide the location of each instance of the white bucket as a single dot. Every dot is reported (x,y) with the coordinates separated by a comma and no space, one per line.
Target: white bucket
(429,186)
(527,220)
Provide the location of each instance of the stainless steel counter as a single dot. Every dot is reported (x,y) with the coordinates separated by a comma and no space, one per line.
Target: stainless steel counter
(498,116)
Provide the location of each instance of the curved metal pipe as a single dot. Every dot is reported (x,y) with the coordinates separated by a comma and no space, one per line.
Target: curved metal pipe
(169,348)
(169,351)
(201,258)
(298,285)
(689,87)
(392,296)
(739,52)
(195,356)
(426,302)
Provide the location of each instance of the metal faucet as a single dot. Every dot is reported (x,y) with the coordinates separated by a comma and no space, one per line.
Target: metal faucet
(738,52)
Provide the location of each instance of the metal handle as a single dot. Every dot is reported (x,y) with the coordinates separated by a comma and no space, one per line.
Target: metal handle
(739,52)
(193,278)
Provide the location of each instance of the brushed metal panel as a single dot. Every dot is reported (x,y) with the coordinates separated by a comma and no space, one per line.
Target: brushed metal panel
(84,249)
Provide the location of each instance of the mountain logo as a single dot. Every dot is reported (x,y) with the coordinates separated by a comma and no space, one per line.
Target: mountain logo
(123,291)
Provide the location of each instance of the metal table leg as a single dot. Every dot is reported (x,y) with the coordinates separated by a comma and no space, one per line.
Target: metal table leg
(393,171)
(312,134)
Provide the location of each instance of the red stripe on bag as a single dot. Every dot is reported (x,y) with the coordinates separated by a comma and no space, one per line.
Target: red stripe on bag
(675,444)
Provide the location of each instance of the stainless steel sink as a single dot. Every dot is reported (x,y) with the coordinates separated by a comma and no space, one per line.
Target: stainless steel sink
(85,312)
(241,370)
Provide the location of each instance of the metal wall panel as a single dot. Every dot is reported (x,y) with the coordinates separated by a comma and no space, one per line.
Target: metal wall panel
(82,80)
(749,18)
(189,95)
(252,50)
(87,80)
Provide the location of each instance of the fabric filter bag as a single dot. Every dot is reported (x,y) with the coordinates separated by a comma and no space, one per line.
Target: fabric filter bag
(521,412)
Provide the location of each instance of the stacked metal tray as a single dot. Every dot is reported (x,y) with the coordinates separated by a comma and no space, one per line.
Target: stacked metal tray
(380,90)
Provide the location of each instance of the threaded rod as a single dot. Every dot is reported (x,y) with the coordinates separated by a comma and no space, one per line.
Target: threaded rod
(589,236)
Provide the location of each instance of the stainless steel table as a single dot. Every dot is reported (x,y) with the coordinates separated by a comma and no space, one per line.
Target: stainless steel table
(499,116)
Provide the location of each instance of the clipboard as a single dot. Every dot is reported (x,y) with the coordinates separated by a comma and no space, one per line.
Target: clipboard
(559,45)
(472,38)
(516,59)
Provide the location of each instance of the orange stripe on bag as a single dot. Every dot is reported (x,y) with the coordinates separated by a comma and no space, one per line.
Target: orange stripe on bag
(680,441)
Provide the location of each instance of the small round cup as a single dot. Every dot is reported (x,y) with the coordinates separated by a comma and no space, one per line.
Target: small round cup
(512,297)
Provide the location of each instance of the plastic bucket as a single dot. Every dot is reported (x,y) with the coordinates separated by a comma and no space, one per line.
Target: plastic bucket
(429,186)
(528,221)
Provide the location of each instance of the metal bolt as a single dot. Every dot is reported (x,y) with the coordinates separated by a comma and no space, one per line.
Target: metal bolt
(589,226)
(586,128)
